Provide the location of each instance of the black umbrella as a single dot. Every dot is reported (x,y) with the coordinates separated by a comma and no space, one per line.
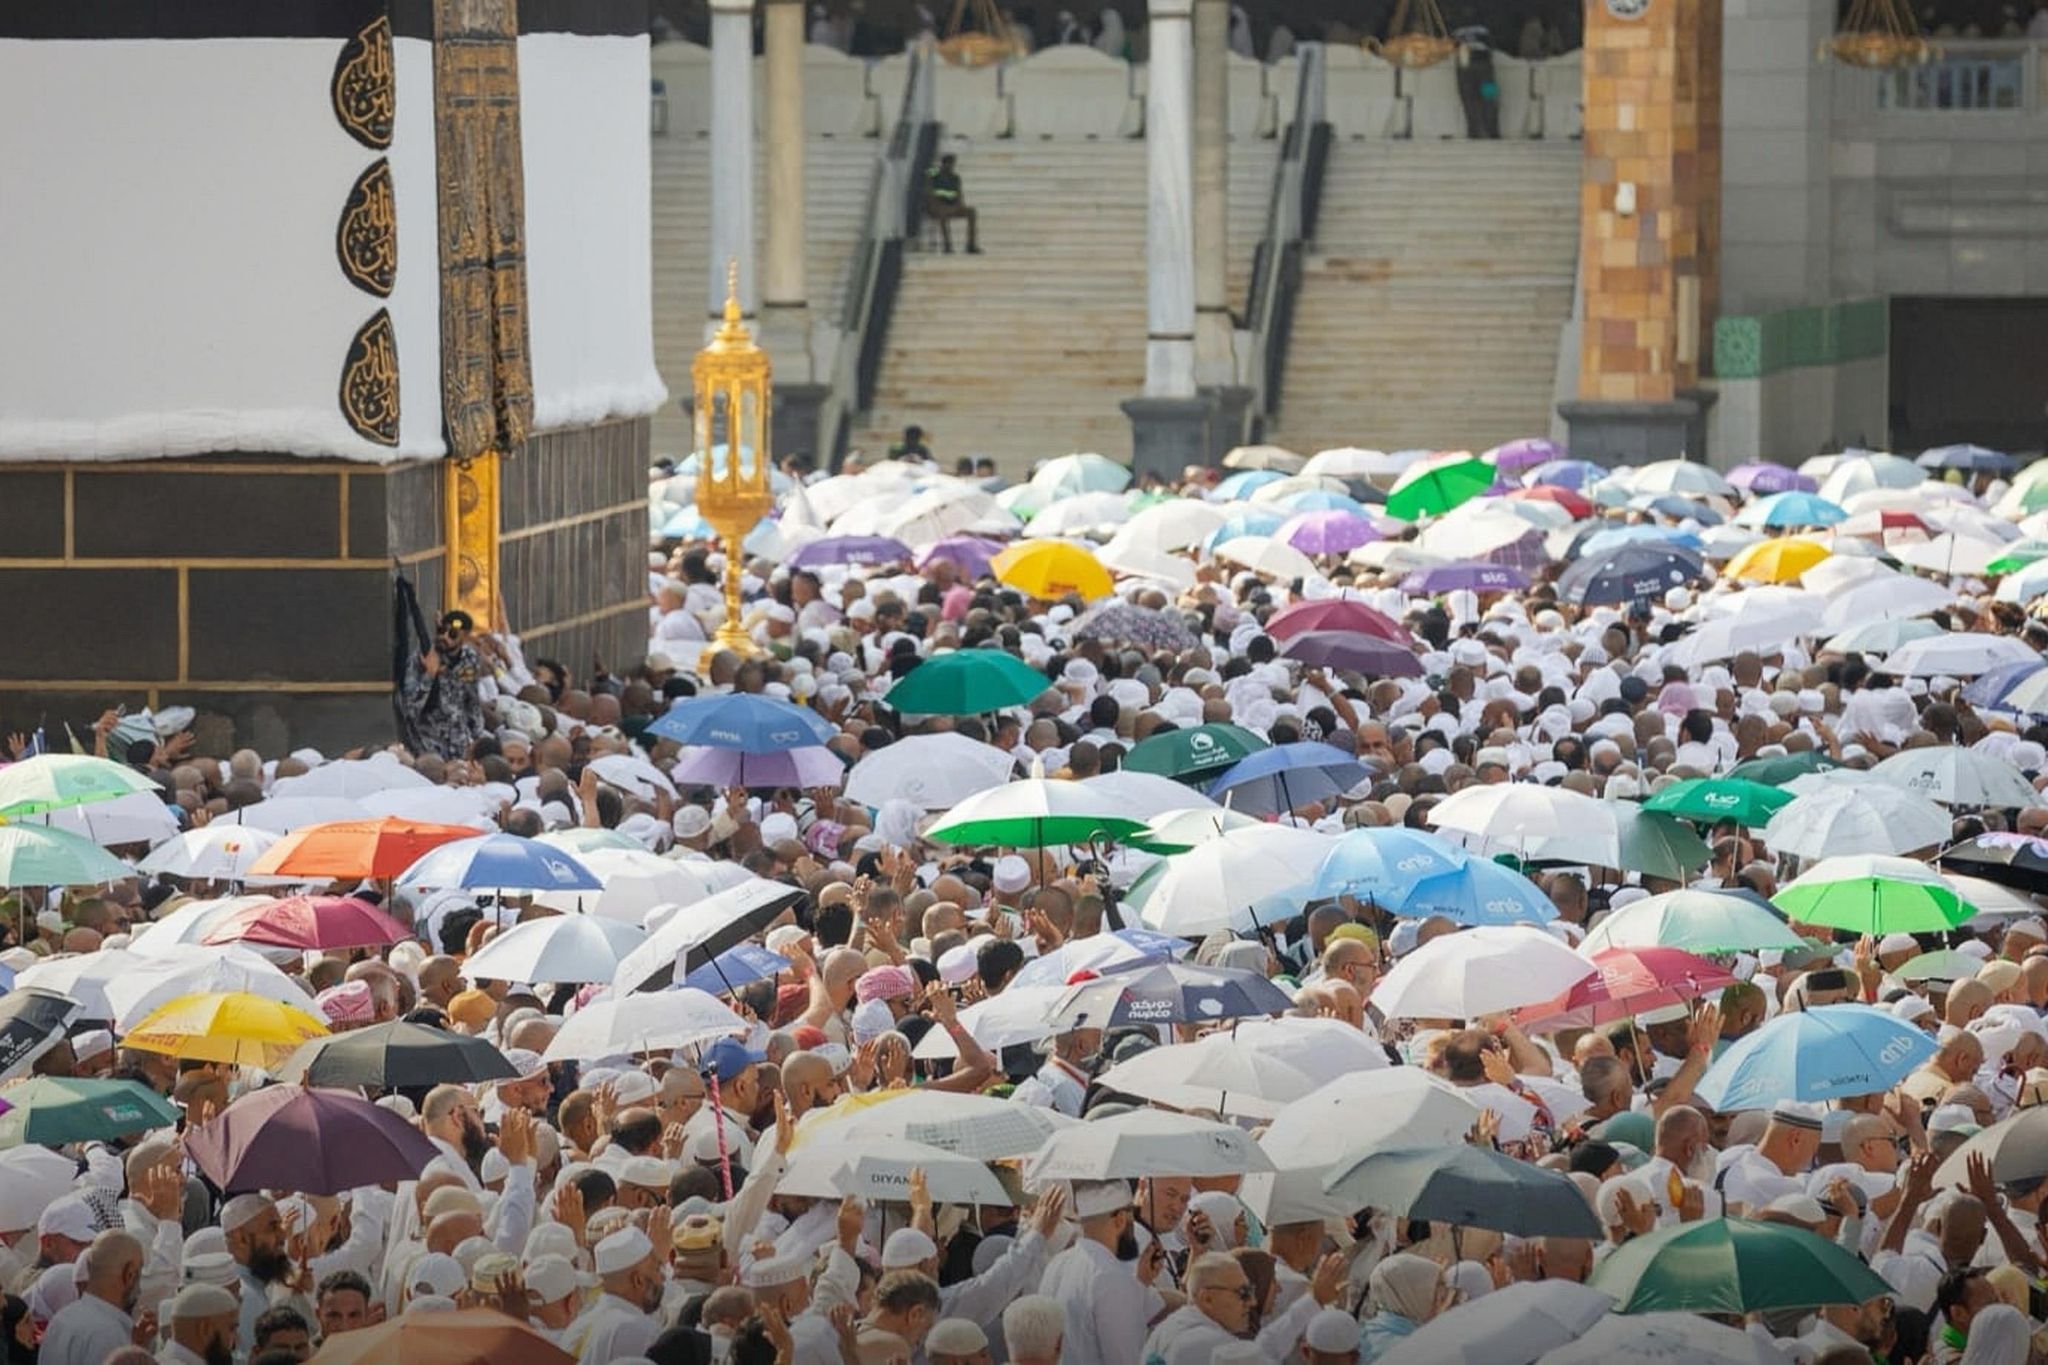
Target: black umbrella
(2015,860)
(1168,992)
(1632,572)
(396,1056)
(31,1023)
(696,934)
(1467,1186)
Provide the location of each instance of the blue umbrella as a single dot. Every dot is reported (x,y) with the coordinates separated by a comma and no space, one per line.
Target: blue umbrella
(1834,1052)
(500,862)
(1577,475)
(1481,892)
(1633,571)
(1677,508)
(744,721)
(1793,509)
(1244,483)
(737,966)
(1972,459)
(1601,541)
(1989,689)
(1276,780)
(1250,521)
(1382,864)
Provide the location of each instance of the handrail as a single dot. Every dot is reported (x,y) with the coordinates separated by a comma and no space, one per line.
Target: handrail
(1290,222)
(869,299)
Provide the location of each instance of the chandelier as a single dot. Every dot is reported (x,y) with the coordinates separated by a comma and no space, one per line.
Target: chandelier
(988,43)
(1879,34)
(1416,38)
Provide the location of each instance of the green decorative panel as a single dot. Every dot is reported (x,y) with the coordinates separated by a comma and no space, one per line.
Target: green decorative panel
(1738,347)
(1763,344)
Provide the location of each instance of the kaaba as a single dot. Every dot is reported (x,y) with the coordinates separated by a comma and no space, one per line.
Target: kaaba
(299,298)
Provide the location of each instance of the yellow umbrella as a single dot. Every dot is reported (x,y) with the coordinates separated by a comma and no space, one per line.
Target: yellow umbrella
(1051,569)
(226,1026)
(1777,561)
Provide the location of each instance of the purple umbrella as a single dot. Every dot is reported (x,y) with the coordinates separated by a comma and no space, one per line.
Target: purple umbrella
(1326,533)
(971,553)
(1354,650)
(810,766)
(1478,577)
(1527,453)
(1526,553)
(1761,478)
(288,1137)
(868,550)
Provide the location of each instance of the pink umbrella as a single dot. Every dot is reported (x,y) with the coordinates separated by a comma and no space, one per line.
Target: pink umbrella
(811,766)
(310,922)
(1336,613)
(1629,981)
(287,1137)
(1331,532)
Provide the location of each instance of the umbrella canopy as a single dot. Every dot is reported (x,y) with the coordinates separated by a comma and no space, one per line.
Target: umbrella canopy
(1972,458)
(1791,508)
(1839,818)
(283,814)
(1467,1186)
(697,933)
(500,862)
(1627,982)
(1776,561)
(649,1022)
(1083,514)
(1667,1338)
(1332,532)
(1052,569)
(1510,1326)
(637,883)
(1873,894)
(879,1169)
(1144,1143)
(54,1110)
(579,841)
(211,853)
(36,855)
(932,772)
(1266,555)
(981,1127)
(32,1177)
(1222,883)
(811,766)
(1132,624)
(355,849)
(286,1137)
(468,1336)
(1512,813)
(1477,577)
(1033,813)
(1633,572)
(310,924)
(971,554)
(234,1026)
(1098,953)
(1368,1111)
(1384,864)
(1167,992)
(1711,800)
(965,682)
(1956,776)
(137,818)
(1479,891)
(394,1056)
(1212,1075)
(557,948)
(188,925)
(1959,654)
(2015,860)
(1479,972)
(53,781)
(1435,486)
(864,550)
(1680,476)
(740,965)
(82,976)
(1274,781)
(1757,478)
(1265,457)
(1831,1052)
(145,982)
(1777,770)
(1355,652)
(2016,1147)
(745,721)
(1732,1265)
(1336,613)
(1147,795)
(1878,637)
(1699,921)
(1016,1016)
(1195,752)
(1082,472)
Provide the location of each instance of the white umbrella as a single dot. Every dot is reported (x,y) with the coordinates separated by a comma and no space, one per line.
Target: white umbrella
(1837,573)
(981,1127)
(1855,817)
(1266,555)
(1663,1339)
(704,929)
(1322,1049)
(558,948)
(1514,813)
(1957,776)
(932,772)
(283,814)
(1265,457)
(1167,526)
(1878,636)
(1186,828)
(879,1169)
(635,775)
(635,883)
(659,1022)
(1397,1107)
(1034,798)
(211,853)
(32,1177)
(1680,476)
(1082,513)
(1221,882)
(1962,654)
(1094,953)
(1143,1143)
(1476,528)
(1394,556)
(1855,474)
(1351,462)
(1755,622)
(190,923)
(1478,972)
(82,976)
(1510,1326)
(1947,553)
(1296,483)
(1993,903)
(1212,1074)
(351,778)
(1143,796)
(146,983)
(936,513)
(1139,561)
(133,818)
(472,806)
(1018,1015)
(1881,598)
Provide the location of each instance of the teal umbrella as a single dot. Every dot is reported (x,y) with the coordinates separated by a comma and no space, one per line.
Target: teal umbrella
(1466,1186)
(52,781)
(965,683)
(1711,800)
(36,855)
(54,1110)
(1732,1265)
(1777,771)
(1199,752)
(1658,845)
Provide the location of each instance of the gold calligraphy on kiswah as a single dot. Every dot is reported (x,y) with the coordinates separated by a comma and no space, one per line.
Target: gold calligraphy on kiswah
(367,239)
(365,96)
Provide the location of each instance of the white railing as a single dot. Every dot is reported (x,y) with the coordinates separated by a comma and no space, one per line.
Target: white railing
(1967,76)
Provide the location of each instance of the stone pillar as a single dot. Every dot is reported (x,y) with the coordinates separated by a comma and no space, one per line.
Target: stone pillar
(1649,218)
(1215,331)
(732,157)
(785,295)
(1170,422)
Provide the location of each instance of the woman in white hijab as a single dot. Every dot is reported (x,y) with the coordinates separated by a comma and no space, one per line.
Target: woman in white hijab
(1998,1336)
(1110,40)
(1405,1292)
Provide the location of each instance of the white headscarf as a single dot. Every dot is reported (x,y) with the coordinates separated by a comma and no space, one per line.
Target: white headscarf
(1406,1284)
(1998,1336)
(1111,39)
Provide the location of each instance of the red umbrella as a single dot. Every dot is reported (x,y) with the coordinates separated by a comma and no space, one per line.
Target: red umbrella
(310,922)
(1578,504)
(287,1137)
(1628,982)
(1337,613)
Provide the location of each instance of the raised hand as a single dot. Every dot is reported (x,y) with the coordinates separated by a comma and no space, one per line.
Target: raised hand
(515,1137)
(785,1123)
(568,1211)
(1051,1205)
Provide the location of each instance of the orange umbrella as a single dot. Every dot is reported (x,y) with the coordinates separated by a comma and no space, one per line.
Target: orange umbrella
(468,1336)
(383,847)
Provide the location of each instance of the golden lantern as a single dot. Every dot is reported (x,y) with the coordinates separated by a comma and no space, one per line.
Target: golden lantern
(1879,34)
(1416,38)
(730,378)
(991,43)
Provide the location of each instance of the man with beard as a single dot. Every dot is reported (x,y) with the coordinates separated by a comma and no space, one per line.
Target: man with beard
(452,1122)
(203,1318)
(622,1323)
(1106,1289)
(97,1323)
(255,1236)
(1675,1173)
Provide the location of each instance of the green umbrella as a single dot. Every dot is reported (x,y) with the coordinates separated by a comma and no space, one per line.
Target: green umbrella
(965,683)
(2018,555)
(1732,1265)
(51,781)
(1032,814)
(1873,894)
(1697,921)
(1711,800)
(1777,771)
(36,855)
(1436,489)
(1200,751)
(1658,845)
(1466,1186)
(53,1110)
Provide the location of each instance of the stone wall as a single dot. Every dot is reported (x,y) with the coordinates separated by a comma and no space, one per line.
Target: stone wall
(1799,382)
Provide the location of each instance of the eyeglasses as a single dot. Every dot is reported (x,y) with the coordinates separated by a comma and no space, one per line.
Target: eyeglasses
(1243,1291)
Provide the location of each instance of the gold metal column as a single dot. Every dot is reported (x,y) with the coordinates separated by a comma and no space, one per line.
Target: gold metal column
(471,502)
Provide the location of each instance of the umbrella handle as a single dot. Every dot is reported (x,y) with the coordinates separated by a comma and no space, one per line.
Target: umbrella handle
(718,1122)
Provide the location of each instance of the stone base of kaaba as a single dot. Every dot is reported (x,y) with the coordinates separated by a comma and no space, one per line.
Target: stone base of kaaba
(258,589)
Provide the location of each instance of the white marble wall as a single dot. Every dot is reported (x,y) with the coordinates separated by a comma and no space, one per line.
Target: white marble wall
(1169,220)
(732,153)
